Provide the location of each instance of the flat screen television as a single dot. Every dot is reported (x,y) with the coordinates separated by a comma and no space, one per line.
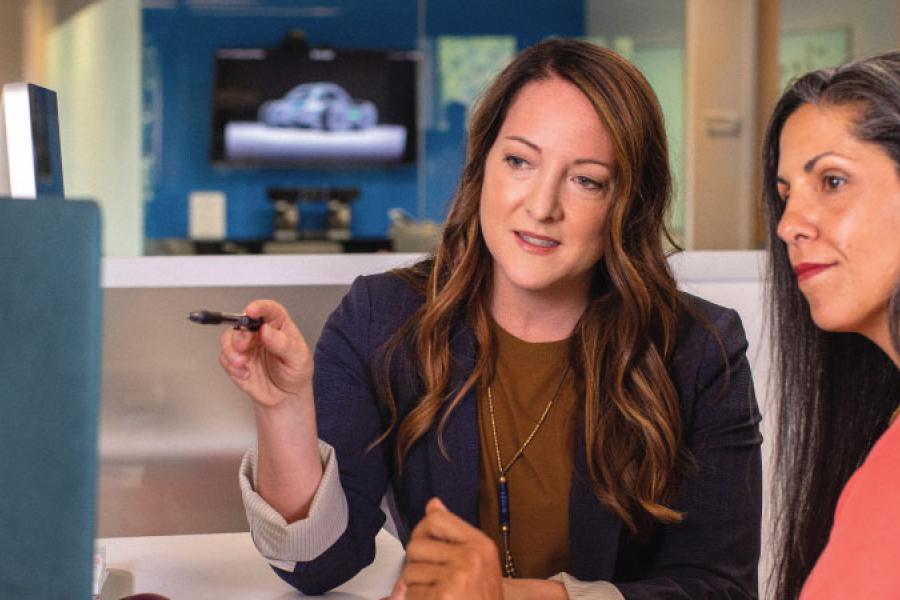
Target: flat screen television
(296,107)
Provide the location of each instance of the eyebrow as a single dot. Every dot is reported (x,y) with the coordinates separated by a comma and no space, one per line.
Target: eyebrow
(578,161)
(809,165)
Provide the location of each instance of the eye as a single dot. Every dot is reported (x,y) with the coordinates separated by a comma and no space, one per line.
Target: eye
(590,184)
(782,189)
(516,162)
(833,182)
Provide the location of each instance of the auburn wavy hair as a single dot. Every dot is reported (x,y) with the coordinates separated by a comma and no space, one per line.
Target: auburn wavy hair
(623,343)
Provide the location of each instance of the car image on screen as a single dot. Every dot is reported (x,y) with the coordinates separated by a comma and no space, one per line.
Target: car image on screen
(322,105)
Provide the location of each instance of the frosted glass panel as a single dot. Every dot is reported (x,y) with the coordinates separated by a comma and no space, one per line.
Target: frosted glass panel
(802,51)
(656,46)
(664,68)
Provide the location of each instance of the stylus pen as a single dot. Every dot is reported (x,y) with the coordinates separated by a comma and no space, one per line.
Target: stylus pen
(210,317)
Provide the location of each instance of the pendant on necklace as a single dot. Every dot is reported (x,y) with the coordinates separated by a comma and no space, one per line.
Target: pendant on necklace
(509,568)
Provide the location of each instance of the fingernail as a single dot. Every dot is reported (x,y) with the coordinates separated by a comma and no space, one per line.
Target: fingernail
(243,374)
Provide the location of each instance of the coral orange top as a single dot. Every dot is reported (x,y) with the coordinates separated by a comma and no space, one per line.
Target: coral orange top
(862,557)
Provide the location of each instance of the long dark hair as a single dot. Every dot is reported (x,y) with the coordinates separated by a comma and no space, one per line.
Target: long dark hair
(624,341)
(894,317)
(836,391)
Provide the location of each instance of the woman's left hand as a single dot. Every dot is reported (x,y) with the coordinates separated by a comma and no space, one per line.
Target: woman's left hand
(446,558)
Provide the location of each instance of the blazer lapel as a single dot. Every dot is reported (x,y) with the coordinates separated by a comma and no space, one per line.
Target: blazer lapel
(593,530)
(455,481)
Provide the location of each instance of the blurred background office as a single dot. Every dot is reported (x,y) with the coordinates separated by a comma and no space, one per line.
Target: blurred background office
(143,87)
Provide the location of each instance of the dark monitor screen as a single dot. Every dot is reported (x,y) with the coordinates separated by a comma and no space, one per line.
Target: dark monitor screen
(314,107)
(30,156)
(45,132)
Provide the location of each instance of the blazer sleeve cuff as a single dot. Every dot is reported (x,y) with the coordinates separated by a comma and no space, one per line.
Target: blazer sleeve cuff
(588,590)
(283,544)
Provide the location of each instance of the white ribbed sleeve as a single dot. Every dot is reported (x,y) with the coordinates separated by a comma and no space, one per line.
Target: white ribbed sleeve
(284,544)
(588,590)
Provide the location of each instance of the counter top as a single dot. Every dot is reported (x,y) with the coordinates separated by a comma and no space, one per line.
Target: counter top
(342,269)
(225,566)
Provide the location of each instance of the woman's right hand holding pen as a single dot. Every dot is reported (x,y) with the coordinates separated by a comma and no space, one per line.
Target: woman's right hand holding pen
(274,366)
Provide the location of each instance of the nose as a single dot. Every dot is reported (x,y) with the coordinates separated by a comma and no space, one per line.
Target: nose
(797,223)
(544,202)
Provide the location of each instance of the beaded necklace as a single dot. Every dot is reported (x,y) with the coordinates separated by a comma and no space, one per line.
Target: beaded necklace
(509,567)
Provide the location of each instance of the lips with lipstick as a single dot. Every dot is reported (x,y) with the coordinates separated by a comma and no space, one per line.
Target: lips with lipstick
(534,239)
(806,270)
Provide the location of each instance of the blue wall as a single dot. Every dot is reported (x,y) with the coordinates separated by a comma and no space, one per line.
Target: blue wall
(180,44)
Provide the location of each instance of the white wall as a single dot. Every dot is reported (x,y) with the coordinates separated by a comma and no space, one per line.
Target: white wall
(94,64)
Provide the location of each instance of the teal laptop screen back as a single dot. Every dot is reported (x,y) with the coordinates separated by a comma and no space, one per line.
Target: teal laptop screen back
(50,327)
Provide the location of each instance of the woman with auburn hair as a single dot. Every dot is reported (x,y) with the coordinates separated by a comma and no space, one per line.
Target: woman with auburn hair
(832,192)
(552,417)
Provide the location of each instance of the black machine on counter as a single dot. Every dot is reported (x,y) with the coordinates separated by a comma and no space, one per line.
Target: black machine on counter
(312,213)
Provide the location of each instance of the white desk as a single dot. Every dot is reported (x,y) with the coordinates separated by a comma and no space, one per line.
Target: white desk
(225,566)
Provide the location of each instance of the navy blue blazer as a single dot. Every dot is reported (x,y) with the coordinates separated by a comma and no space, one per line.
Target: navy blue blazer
(713,553)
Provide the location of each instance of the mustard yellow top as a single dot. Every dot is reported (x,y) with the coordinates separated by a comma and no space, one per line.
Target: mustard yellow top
(526,377)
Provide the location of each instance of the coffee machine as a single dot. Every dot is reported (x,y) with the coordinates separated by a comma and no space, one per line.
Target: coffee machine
(312,213)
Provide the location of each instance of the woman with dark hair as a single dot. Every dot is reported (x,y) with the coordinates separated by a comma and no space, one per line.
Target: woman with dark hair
(537,396)
(832,192)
